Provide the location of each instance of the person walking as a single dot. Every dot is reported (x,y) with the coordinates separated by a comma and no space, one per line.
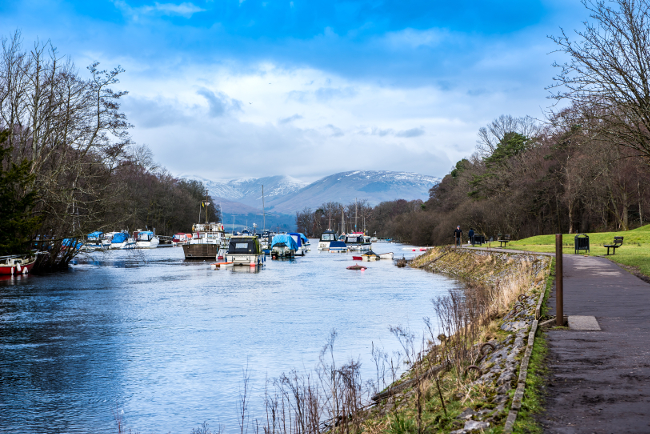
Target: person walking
(458,234)
(470,234)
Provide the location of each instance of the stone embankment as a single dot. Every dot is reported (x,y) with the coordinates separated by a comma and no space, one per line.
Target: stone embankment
(484,390)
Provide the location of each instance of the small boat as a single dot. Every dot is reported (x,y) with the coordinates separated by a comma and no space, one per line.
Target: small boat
(283,246)
(358,241)
(14,265)
(388,255)
(338,246)
(299,238)
(244,250)
(121,240)
(146,240)
(325,239)
(357,267)
(181,238)
(357,258)
(94,241)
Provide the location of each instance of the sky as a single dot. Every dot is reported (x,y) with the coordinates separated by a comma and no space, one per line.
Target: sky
(226,89)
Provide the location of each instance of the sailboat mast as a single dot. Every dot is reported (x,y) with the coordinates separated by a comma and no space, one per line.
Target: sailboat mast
(342,220)
(263,211)
(356,213)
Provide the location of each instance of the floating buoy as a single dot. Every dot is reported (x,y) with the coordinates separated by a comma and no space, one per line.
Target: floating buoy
(356,267)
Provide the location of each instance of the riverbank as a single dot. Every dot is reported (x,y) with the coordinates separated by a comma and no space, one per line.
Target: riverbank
(471,376)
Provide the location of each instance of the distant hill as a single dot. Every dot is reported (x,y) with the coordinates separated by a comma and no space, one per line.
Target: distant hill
(286,195)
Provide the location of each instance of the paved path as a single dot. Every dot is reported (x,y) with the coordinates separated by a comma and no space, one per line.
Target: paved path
(599,381)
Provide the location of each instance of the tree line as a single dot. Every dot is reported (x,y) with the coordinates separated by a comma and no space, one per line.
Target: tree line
(68,165)
(584,167)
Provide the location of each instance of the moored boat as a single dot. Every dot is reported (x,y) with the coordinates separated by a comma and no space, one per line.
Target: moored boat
(146,240)
(244,250)
(13,265)
(207,240)
(358,241)
(121,240)
(338,246)
(283,246)
(325,239)
(301,249)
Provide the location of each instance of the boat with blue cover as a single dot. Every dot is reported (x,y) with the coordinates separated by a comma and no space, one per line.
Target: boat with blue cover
(146,240)
(301,249)
(283,246)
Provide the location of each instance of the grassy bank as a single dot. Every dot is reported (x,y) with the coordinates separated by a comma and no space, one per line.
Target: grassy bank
(502,290)
(634,253)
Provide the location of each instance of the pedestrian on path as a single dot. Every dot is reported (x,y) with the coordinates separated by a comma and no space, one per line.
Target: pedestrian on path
(458,234)
(470,234)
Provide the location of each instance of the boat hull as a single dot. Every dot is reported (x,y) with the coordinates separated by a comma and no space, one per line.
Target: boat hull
(14,270)
(244,259)
(200,251)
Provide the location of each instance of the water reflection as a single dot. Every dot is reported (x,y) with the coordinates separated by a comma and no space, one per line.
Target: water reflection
(166,339)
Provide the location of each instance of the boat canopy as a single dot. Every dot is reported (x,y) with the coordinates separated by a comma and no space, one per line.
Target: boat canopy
(335,244)
(303,238)
(244,246)
(95,235)
(285,239)
(297,238)
(145,235)
(120,237)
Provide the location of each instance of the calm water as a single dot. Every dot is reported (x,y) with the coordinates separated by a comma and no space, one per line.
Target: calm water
(165,341)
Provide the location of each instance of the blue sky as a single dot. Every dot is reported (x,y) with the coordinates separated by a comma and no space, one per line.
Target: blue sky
(243,88)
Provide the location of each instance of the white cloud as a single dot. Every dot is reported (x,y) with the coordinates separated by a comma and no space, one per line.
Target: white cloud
(185,9)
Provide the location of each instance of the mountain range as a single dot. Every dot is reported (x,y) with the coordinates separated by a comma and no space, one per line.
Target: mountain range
(286,195)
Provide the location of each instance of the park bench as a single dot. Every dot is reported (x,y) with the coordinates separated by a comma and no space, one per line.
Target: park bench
(618,242)
(503,240)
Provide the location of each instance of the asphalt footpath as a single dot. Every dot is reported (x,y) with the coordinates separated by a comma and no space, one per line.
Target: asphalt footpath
(599,381)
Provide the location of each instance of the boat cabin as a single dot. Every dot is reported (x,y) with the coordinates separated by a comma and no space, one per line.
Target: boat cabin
(244,245)
(328,235)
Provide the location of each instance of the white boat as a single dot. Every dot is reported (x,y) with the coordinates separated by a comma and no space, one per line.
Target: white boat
(358,241)
(244,250)
(208,241)
(388,255)
(146,240)
(121,240)
(325,239)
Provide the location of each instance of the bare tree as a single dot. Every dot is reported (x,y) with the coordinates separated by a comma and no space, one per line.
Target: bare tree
(609,69)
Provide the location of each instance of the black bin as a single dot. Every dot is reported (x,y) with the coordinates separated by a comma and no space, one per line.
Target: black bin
(478,239)
(581,242)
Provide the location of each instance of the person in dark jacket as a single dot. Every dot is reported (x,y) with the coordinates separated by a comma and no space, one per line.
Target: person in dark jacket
(458,234)
(470,234)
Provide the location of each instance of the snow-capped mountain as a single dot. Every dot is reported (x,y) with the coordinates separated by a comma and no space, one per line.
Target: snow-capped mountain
(284,194)
(345,187)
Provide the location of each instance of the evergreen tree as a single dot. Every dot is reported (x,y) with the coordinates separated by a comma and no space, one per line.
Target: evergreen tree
(17,221)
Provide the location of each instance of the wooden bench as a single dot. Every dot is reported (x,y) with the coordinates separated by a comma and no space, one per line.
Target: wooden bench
(503,240)
(618,242)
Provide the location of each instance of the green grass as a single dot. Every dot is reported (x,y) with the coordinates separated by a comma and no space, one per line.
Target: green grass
(635,251)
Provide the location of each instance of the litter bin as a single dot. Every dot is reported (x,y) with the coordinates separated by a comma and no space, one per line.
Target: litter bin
(581,242)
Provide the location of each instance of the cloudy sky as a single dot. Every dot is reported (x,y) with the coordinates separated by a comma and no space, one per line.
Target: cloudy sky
(247,88)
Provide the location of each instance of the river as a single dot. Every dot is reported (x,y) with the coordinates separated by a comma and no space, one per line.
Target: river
(164,342)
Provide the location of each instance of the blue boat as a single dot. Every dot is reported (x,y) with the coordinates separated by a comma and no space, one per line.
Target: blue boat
(283,246)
